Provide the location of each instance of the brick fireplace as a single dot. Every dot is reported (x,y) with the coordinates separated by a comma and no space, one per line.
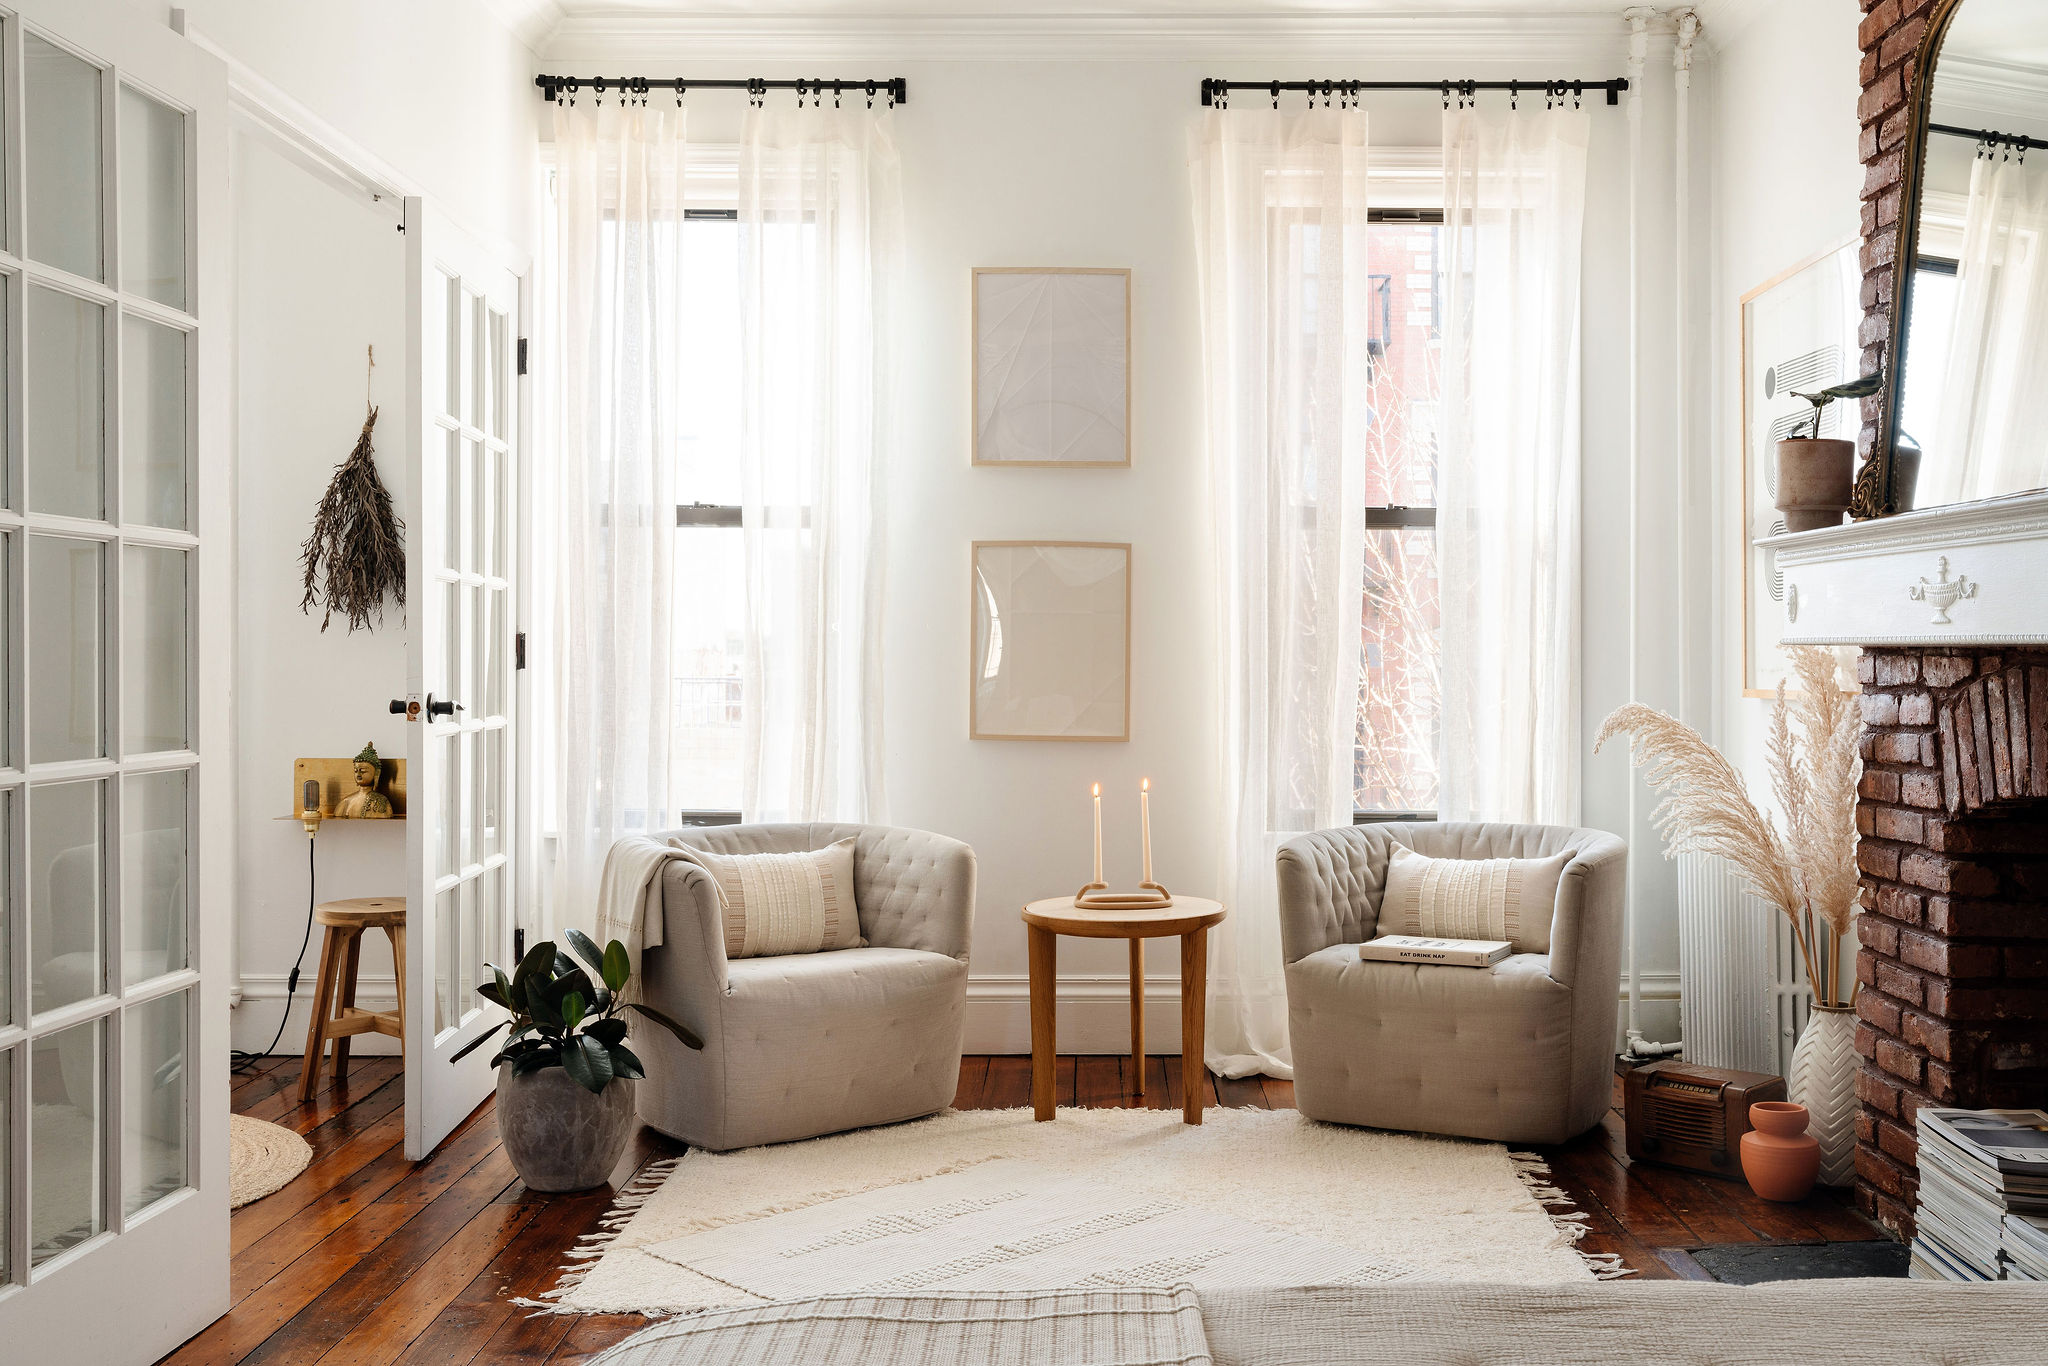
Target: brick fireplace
(1953,956)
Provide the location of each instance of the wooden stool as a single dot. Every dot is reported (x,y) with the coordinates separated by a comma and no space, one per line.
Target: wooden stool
(334,996)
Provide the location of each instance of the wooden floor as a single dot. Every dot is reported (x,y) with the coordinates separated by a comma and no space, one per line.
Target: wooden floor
(367,1258)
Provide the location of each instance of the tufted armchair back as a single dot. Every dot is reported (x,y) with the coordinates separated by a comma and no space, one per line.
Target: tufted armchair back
(1331,880)
(913,889)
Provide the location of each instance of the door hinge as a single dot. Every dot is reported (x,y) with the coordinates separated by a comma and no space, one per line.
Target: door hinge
(519,650)
(518,944)
(522,355)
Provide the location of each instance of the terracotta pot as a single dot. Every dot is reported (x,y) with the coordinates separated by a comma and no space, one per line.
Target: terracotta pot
(560,1136)
(1778,1156)
(1815,482)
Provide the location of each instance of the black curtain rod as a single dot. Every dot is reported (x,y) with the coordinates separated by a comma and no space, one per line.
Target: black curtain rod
(1217,92)
(895,89)
(1996,139)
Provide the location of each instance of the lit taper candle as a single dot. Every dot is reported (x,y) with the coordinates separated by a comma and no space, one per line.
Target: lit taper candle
(1098,832)
(1145,823)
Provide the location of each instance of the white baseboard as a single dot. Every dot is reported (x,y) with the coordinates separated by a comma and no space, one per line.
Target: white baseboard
(1094,1012)
(253,1021)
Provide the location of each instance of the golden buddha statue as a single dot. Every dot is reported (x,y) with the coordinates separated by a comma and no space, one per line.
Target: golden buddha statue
(366,803)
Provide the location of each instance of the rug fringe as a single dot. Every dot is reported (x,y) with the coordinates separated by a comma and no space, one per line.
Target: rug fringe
(1571,1222)
(581,1258)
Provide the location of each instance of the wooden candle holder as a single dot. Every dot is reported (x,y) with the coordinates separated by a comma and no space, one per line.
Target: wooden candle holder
(1097,896)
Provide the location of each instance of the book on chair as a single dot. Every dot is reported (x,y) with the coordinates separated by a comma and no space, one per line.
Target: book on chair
(1418,948)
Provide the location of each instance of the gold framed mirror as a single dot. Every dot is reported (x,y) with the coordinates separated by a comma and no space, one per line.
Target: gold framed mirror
(1964,406)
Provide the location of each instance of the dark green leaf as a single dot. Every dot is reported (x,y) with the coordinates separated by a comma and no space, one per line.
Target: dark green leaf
(478,1041)
(689,1039)
(534,965)
(544,1006)
(564,964)
(625,1063)
(517,1003)
(490,992)
(534,1061)
(607,1032)
(586,949)
(586,1060)
(574,1008)
(617,967)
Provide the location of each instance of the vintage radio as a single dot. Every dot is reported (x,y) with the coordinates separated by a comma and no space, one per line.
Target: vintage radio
(1684,1115)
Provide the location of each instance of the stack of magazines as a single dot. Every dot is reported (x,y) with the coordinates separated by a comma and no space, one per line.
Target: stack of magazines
(1983,1208)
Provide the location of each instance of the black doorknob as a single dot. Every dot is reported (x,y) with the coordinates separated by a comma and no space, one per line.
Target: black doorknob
(398,706)
(441,708)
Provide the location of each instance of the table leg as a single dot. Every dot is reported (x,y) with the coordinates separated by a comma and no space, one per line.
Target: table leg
(1194,992)
(1044,951)
(1138,1015)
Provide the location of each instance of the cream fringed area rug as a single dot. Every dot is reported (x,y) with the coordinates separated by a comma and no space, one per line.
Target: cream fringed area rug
(1257,1194)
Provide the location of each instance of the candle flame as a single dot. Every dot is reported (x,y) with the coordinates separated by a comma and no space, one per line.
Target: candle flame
(1144,784)
(1096,789)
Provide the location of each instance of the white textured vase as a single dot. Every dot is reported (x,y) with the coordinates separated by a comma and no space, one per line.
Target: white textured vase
(1823,1079)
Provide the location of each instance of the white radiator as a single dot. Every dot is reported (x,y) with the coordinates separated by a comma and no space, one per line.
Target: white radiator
(1735,1007)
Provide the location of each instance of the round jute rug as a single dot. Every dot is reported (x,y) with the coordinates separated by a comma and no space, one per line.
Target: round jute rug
(262,1157)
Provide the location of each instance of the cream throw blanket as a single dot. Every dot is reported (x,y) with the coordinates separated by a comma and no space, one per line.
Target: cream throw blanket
(629,897)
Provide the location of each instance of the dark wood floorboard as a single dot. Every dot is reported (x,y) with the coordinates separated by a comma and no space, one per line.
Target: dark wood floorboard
(368,1258)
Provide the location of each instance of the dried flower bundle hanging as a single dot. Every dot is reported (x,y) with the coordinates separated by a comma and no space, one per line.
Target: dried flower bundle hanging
(356,554)
(1809,870)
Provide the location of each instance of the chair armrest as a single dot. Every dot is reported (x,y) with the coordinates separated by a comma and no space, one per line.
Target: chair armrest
(1592,899)
(1324,898)
(916,891)
(685,973)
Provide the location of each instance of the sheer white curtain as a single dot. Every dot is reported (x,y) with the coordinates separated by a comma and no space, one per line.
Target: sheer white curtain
(1280,247)
(1994,406)
(1508,500)
(618,307)
(820,225)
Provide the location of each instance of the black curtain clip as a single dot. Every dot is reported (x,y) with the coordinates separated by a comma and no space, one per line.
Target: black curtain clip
(1447,97)
(1514,96)
(679,92)
(1276,94)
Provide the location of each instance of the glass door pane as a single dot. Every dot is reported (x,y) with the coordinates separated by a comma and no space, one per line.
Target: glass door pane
(66,885)
(65,372)
(61,109)
(64,1178)
(153,430)
(152,195)
(66,584)
(154,874)
(153,1114)
(154,664)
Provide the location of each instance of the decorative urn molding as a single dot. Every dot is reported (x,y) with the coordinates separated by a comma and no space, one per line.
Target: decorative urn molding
(1956,575)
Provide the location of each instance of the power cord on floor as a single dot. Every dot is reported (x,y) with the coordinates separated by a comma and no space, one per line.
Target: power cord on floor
(242,1062)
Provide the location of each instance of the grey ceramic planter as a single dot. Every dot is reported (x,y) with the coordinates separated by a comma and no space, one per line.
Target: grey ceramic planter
(559,1136)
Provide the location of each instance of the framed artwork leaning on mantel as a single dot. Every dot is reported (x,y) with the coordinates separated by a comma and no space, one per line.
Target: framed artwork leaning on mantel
(1050,632)
(1052,366)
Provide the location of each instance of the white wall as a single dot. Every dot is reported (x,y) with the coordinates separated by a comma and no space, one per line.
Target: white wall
(1084,163)
(320,276)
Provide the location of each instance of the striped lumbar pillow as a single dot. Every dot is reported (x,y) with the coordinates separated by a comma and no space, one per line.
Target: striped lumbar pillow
(1490,898)
(786,903)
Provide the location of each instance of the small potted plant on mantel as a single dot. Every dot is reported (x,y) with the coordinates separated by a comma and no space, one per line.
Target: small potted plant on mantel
(565,1075)
(1816,474)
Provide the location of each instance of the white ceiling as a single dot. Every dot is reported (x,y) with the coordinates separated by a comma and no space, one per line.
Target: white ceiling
(570,29)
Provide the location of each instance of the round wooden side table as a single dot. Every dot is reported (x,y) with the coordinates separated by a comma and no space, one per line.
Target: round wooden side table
(336,1018)
(1189,917)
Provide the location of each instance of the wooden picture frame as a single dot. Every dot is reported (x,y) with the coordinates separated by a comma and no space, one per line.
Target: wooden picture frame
(1758,594)
(1077,393)
(1056,666)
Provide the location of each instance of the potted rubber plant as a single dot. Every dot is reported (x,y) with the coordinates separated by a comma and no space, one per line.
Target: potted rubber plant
(1816,474)
(565,1074)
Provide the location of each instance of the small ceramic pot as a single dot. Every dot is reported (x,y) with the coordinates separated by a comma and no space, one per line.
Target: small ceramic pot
(1816,480)
(1905,477)
(1779,1157)
(560,1136)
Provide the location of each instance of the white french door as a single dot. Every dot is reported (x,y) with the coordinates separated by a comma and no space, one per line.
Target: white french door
(115,879)
(462,563)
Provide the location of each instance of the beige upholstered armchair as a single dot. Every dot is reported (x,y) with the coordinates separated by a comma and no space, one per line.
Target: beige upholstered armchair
(1523,1053)
(810,1043)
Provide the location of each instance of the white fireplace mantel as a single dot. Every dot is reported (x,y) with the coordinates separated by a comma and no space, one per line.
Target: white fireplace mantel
(1966,574)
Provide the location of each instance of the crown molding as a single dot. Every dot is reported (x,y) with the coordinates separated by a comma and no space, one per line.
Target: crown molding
(532,22)
(1457,42)
(1990,94)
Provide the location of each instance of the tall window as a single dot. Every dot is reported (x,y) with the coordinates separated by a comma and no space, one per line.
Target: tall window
(711,594)
(1394,771)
